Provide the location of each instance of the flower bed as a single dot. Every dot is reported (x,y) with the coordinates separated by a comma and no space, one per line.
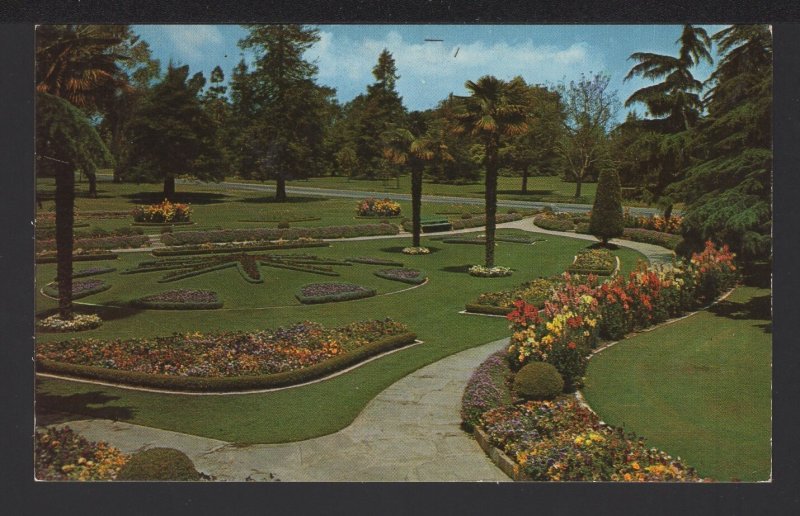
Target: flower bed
(534,292)
(489,272)
(367,260)
(372,207)
(165,212)
(224,361)
(648,236)
(413,251)
(92,271)
(269,234)
(111,242)
(49,232)
(561,440)
(230,247)
(555,221)
(180,299)
(315,293)
(80,288)
(653,222)
(79,322)
(412,276)
(486,389)
(61,454)
(78,255)
(593,261)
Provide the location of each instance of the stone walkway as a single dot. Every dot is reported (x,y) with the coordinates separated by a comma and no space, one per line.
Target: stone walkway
(409,432)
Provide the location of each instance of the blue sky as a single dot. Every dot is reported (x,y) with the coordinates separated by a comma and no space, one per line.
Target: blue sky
(429,71)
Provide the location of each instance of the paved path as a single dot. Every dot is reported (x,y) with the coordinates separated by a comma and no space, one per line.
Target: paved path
(409,432)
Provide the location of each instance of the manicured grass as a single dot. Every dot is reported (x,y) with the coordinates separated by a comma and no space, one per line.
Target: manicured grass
(431,311)
(699,388)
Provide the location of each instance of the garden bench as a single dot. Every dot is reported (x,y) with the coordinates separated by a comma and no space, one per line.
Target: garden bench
(435,224)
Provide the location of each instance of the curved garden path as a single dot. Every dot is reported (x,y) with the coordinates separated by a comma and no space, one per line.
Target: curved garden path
(409,432)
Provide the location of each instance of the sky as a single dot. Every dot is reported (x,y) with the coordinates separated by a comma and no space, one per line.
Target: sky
(429,71)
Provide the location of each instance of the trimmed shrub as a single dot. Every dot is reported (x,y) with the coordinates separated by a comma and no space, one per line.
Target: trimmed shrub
(283,225)
(538,381)
(607,221)
(412,276)
(159,464)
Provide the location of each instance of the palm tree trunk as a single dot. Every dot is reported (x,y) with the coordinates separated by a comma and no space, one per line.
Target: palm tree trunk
(169,188)
(92,184)
(416,205)
(280,189)
(65,198)
(491,201)
(525,179)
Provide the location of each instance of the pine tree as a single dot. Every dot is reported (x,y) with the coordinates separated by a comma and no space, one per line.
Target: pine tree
(607,220)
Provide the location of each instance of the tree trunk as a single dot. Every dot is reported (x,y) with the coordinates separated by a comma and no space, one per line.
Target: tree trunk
(416,205)
(65,198)
(667,214)
(491,201)
(525,179)
(578,186)
(92,184)
(280,189)
(169,188)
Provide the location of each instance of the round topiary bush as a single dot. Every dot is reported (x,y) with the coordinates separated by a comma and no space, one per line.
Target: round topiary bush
(538,381)
(159,464)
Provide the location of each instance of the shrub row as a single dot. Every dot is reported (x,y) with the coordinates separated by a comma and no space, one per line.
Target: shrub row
(50,257)
(649,236)
(300,268)
(49,232)
(94,271)
(265,234)
(224,384)
(112,242)
(374,261)
(165,305)
(196,250)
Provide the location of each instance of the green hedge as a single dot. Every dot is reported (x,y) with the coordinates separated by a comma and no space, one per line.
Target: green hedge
(488,309)
(375,261)
(79,258)
(265,247)
(334,298)
(238,383)
(52,290)
(85,274)
(161,224)
(279,265)
(161,305)
(246,276)
(196,272)
(417,280)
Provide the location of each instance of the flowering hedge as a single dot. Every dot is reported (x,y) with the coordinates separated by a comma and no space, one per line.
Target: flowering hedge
(562,440)
(165,212)
(315,293)
(412,276)
(580,310)
(412,251)
(185,299)
(224,361)
(61,454)
(486,389)
(269,234)
(593,261)
(372,207)
(80,288)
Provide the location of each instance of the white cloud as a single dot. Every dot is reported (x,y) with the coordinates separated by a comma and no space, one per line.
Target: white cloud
(429,71)
(191,42)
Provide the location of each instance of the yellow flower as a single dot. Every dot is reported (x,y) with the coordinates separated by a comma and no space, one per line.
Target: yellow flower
(635,466)
(579,440)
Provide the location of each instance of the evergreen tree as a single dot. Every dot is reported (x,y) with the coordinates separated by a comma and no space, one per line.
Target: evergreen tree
(607,220)
(65,140)
(171,134)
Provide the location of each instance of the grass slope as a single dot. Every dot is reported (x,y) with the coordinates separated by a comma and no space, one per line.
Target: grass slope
(699,388)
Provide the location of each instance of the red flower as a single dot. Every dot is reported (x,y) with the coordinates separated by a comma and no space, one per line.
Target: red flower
(572,345)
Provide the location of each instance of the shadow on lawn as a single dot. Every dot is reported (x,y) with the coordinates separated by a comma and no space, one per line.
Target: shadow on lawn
(758,308)
(520,192)
(289,200)
(200,198)
(461,269)
(54,408)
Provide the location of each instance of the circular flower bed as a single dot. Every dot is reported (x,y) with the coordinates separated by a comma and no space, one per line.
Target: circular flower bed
(412,276)
(61,454)
(331,292)
(78,323)
(180,299)
(416,250)
(80,288)
(489,272)
(165,212)
(372,207)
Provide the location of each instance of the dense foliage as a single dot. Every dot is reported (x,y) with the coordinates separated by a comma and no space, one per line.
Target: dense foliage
(61,454)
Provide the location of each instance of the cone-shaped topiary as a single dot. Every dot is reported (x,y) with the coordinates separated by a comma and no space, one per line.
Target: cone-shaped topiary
(159,464)
(538,381)
(607,220)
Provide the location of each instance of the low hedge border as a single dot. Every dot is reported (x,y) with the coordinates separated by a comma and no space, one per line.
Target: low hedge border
(417,280)
(50,291)
(162,305)
(161,224)
(86,274)
(196,272)
(375,261)
(230,384)
(289,220)
(266,247)
(79,258)
(290,267)
(246,277)
(488,309)
(378,217)
(335,298)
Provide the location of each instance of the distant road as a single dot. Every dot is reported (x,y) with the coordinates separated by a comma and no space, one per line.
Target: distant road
(360,194)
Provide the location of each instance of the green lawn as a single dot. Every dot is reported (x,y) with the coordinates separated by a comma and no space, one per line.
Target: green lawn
(699,388)
(322,408)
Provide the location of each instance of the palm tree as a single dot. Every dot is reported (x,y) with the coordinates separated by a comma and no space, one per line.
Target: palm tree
(495,110)
(65,140)
(675,102)
(78,63)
